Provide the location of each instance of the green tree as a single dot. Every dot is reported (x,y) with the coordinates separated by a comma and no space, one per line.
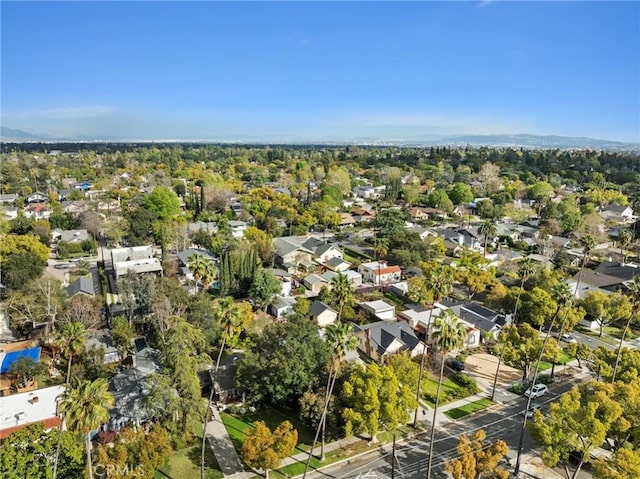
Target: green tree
(123,335)
(623,464)
(265,449)
(440,199)
(24,370)
(85,406)
(522,346)
(605,309)
(460,193)
(538,307)
(477,459)
(488,229)
(203,271)
(288,358)
(70,340)
(27,453)
(577,422)
(264,287)
(448,335)
(341,293)
(634,316)
(163,202)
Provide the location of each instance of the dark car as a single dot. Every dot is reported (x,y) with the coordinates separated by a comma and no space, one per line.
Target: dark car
(455,364)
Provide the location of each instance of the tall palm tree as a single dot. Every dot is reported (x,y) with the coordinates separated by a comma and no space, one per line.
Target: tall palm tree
(227,316)
(561,294)
(488,229)
(209,275)
(341,340)
(634,316)
(438,282)
(197,264)
(341,292)
(624,240)
(70,340)
(85,406)
(587,242)
(448,335)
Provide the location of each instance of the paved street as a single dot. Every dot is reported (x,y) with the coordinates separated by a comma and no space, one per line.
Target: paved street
(500,422)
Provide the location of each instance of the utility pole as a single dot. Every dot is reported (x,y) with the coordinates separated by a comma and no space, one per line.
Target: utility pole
(393,458)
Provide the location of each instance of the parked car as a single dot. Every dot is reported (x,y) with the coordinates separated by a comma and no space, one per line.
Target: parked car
(529,412)
(567,338)
(455,364)
(536,391)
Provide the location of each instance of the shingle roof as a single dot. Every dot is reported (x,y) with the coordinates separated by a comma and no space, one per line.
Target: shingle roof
(84,284)
(383,333)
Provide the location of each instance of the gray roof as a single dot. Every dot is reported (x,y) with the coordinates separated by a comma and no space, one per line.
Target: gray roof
(318,307)
(624,272)
(314,279)
(383,333)
(477,315)
(335,262)
(184,255)
(84,284)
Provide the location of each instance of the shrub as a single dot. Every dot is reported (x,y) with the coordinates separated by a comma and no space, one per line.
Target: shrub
(516,388)
(544,379)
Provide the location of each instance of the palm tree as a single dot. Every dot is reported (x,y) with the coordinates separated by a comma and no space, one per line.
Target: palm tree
(489,229)
(526,269)
(635,294)
(438,282)
(70,340)
(340,339)
(209,275)
(197,264)
(227,315)
(624,240)
(341,292)
(448,335)
(85,407)
(587,242)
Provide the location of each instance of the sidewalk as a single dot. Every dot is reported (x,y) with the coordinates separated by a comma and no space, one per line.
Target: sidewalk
(223,448)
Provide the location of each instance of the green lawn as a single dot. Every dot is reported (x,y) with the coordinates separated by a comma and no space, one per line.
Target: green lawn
(186,463)
(431,386)
(237,425)
(469,408)
(563,358)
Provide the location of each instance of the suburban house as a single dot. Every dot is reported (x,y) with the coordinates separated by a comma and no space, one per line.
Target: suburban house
(237,228)
(74,207)
(314,283)
(419,319)
(286,283)
(379,310)
(337,264)
(129,388)
(83,285)
(281,306)
(346,220)
(363,215)
(608,276)
(617,214)
(485,320)
(18,411)
(138,259)
(382,339)
(38,211)
(183,260)
(378,272)
(8,199)
(369,192)
(322,314)
(37,197)
(70,236)
(101,339)
(354,277)
(303,252)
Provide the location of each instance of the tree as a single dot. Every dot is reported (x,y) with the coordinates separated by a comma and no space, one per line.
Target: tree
(577,422)
(27,453)
(24,370)
(625,238)
(488,229)
(122,334)
(84,309)
(587,242)
(136,451)
(16,244)
(634,316)
(288,358)
(19,269)
(85,406)
(477,459)
(264,287)
(439,199)
(623,464)
(70,340)
(606,308)
(538,307)
(460,193)
(203,271)
(522,346)
(264,449)
(448,335)
(341,293)
(163,202)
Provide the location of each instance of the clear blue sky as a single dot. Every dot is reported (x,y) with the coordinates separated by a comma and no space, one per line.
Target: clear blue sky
(323,71)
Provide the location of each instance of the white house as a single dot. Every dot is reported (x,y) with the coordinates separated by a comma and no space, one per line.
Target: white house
(380,310)
(17,411)
(378,272)
(281,306)
(237,228)
(322,314)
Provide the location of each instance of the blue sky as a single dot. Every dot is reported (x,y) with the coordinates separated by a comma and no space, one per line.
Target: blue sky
(321,70)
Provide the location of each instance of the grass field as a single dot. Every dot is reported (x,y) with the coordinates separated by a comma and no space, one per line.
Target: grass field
(469,408)
(185,463)
(431,386)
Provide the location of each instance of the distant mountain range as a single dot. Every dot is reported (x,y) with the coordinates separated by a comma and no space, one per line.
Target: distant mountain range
(516,141)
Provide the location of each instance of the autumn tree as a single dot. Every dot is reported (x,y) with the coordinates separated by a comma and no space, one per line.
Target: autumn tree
(264,449)
(522,345)
(606,309)
(478,459)
(624,463)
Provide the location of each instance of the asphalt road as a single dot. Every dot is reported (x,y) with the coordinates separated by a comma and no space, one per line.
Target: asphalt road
(500,422)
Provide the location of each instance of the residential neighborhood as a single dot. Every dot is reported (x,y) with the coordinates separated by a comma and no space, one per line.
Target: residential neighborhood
(176,314)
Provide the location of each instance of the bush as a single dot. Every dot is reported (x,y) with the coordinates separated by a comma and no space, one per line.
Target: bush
(544,379)
(467,384)
(516,388)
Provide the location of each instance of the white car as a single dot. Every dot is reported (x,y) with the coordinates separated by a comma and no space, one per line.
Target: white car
(536,391)
(567,338)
